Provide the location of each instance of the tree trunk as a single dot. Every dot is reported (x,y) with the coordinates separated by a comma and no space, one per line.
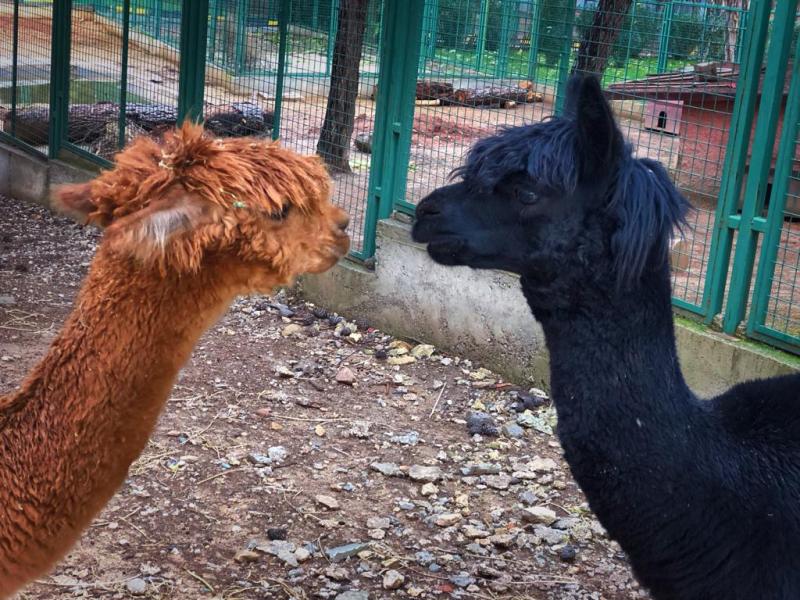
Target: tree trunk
(734,23)
(334,138)
(599,39)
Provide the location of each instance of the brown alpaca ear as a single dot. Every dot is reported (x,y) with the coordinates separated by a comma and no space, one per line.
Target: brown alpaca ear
(74,200)
(157,234)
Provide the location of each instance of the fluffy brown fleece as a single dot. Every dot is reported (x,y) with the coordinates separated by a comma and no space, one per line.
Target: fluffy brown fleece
(192,223)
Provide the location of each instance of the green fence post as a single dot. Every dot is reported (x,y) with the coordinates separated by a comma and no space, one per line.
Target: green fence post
(480,43)
(761,161)
(566,54)
(192,76)
(429,32)
(123,84)
(663,43)
(283,28)
(333,24)
(242,8)
(777,202)
(14,66)
(394,114)
(735,157)
(212,31)
(59,76)
(501,66)
(533,51)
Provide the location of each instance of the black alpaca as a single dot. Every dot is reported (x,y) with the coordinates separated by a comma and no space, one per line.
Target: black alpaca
(703,496)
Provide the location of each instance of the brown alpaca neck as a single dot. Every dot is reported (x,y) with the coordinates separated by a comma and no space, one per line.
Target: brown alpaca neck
(84,414)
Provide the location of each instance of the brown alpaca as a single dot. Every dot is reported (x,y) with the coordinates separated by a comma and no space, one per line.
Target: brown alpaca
(191,224)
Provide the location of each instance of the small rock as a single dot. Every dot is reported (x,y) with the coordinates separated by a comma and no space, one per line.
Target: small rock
(302,555)
(498,482)
(424,558)
(481,423)
(502,540)
(281,549)
(407,439)
(291,329)
(388,469)
(341,553)
(392,580)
(337,573)
(137,586)
(423,473)
(277,454)
(481,469)
(462,580)
(246,556)
(9,301)
(346,376)
(327,501)
(381,354)
(513,430)
(567,553)
(376,534)
(353,595)
(429,489)
(405,359)
(566,523)
(422,351)
(320,312)
(447,519)
(539,514)
(284,372)
(530,401)
(277,533)
(543,465)
(378,523)
(550,536)
(473,532)
(259,459)
(528,497)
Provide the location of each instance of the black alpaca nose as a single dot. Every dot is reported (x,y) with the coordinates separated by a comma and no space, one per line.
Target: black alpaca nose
(426,208)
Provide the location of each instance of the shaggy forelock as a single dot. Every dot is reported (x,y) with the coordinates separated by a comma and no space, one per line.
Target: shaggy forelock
(545,151)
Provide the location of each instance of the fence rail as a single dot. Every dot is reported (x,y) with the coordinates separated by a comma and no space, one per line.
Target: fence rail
(711,89)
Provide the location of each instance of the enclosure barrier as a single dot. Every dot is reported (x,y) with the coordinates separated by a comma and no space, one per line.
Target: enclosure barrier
(710,89)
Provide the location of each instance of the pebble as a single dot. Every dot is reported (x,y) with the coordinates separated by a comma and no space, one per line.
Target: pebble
(277,454)
(327,501)
(498,482)
(337,573)
(567,553)
(424,558)
(481,469)
(422,351)
(246,556)
(277,533)
(447,519)
(9,301)
(388,469)
(378,523)
(405,359)
(528,497)
(550,536)
(302,555)
(473,532)
(407,439)
(481,423)
(259,459)
(423,473)
(543,465)
(429,489)
(513,430)
(292,329)
(353,595)
(393,580)
(462,580)
(376,534)
(539,514)
(502,540)
(281,549)
(340,553)
(137,586)
(346,376)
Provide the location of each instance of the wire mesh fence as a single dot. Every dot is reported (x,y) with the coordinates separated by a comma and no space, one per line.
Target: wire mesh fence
(673,70)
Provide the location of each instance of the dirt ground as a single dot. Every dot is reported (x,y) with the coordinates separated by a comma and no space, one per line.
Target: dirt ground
(263,465)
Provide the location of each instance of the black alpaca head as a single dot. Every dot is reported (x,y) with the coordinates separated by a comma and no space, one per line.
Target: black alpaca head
(563,203)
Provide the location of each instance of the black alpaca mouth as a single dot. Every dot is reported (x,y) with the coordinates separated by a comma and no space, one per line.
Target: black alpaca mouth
(447,250)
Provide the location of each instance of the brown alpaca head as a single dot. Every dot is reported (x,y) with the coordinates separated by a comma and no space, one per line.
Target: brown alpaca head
(260,212)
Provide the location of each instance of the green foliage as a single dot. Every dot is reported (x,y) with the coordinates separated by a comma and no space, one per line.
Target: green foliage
(552,29)
(638,33)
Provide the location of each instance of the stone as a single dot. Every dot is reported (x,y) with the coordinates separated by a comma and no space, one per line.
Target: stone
(528,497)
(283,371)
(378,523)
(405,359)
(407,439)
(447,519)
(423,473)
(429,489)
(246,556)
(291,329)
(566,523)
(353,595)
(512,430)
(388,469)
(346,376)
(472,532)
(259,459)
(481,423)
(539,514)
(328,502)
(424,558)
(481,469)
(502,540)
(567,553)
(376,534)
(6,300)
(550,536)
(277,533)
(137,586)
(419,351)
(337,573)
(302,555)
(543,465)
(340,553)
(277,454)
(462,579)
(498,482)
(393,580)
(281,549)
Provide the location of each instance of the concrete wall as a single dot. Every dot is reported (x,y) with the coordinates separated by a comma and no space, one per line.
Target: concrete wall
(482,315)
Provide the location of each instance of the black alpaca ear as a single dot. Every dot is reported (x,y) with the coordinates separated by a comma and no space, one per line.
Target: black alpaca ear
(599,140)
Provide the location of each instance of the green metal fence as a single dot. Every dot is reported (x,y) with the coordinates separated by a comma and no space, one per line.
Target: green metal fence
(708,88)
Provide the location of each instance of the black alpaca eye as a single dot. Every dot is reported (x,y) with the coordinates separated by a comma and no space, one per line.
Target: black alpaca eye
(280,215)
(527,197)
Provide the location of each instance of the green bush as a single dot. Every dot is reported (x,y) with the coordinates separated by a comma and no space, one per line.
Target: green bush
(684,35)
